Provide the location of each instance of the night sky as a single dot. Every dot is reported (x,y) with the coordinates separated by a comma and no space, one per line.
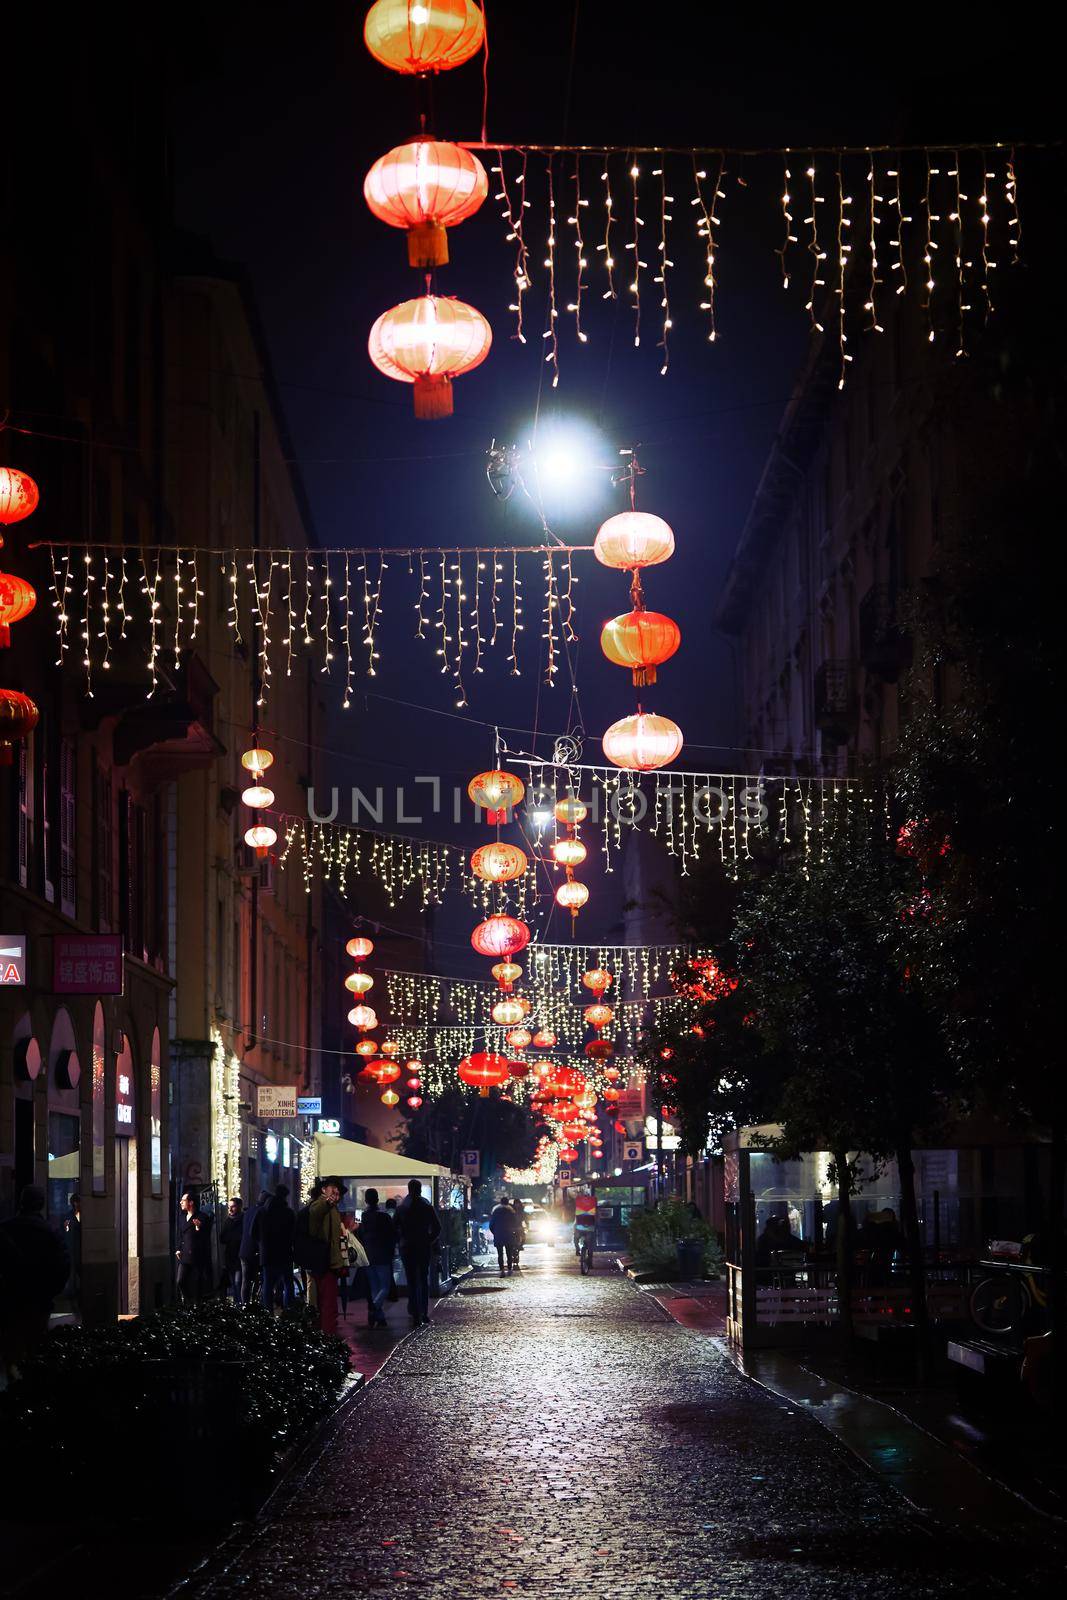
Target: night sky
(278,111)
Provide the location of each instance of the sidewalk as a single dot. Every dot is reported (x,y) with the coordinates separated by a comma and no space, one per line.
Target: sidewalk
(897,1441)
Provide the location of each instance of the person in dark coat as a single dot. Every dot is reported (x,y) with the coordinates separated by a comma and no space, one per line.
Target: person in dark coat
(230,1236)
(250,1250)
(273,1234)
(194,1249)
(34,1266)
(391,1210)
(520,1211)
(504,1225)
(377,1235)
(72,1236)
(420,1228)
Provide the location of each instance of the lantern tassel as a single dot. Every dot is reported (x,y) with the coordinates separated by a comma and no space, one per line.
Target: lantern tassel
(643,676)
(637,593)
(433,397)
(427,245)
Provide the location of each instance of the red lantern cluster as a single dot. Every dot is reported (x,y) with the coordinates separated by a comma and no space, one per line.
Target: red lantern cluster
(18,713)
(640,640)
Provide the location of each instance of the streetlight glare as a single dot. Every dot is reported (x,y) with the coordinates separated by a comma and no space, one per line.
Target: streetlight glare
(569,465)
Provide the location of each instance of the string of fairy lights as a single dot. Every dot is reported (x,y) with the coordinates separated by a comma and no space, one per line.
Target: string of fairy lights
(111,602)
(863,204)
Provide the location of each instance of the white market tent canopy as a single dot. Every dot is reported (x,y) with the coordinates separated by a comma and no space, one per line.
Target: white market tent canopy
(369,1165)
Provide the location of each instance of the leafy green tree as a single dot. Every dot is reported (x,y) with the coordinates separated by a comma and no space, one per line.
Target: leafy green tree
(500,1130)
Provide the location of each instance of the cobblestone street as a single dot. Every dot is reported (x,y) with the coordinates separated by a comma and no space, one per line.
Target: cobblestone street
(559,1436)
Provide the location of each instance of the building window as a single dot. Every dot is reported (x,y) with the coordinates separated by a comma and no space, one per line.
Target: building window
(99,1091)
(103,850)
(25,809)
(68,876)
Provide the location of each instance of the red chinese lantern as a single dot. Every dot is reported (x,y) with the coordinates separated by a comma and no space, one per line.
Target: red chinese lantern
(484,1070)
(383,1071)
(575,1131)
(633,539)
(519,1069)
(572,897)
(612,1074)
(498,863)
(18,717)
(366,1047)
(257,760)
(563,1080)
(420,36)
(643,742)
(570,811)
(17,600)
(597,980)
(496,793)
(600,1049)
(500,936)
(390,1048)
(569,852)
(359,982)
(414,1101)
(568,1155)
(261,838)
(611,1095)
(641,640)
(519,1038)
(390,1098)
(544,1039)
(359,949)
(414,1084)
(426,186)
(428,342)
(506,973)
(18,495)
(598,1016)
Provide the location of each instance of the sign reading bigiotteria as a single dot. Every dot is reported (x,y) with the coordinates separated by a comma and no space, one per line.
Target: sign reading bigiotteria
(276,1100)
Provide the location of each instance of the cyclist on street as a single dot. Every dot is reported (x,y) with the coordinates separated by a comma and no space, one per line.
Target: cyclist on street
(585,1229)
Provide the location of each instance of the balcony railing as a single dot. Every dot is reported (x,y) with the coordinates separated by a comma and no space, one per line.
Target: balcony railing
(835,700)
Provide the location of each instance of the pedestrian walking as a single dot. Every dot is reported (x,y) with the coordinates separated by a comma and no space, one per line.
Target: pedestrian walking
(194,1250)
(302,1249)
(230,1236)
(72,1238)
(504,1226)
(391,1210)
(420,1229)
(273,1232)
(377,1234)
(34,1266)
(327,1260)
(250,1250)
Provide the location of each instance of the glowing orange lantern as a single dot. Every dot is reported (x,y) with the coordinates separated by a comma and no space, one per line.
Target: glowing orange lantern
(600,1049)
(611,1095)
(633,539)
(597,980)
(569,852)
(366,1047)
(426,186)
(420,36)
(643,742)
(428,342)
(363,1017)
(570,811)
(572,897)
(18,717)
(641,640)
(390,1048)
(257,760)
(359,949)
(383,1071)
(498,863)
(612,1074)
(519,1038)
(598,1016)
(17,600)
(496,793)
(359,982)
(506,973)
(390,1098)
(414,1101)
(18,495)
(500,936)
(506,1013)
(261,838)
(544,1039)
(519,1069)
(414,1084)
(568,1155)
(484,1070)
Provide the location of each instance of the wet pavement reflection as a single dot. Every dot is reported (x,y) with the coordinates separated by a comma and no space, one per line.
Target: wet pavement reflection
(553,1435)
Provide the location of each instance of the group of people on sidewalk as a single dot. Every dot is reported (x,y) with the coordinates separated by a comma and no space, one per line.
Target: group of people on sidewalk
(265,1245)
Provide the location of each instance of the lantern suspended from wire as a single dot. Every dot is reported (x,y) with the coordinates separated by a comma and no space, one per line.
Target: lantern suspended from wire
(499,863)
(420,36)
(363,1018)
(359,983)
(484,1070)
(633,539)
(496,793)
(643,742)
(598,1016)
(383,1071)
(600,1049)
(612,1074)
(598,980)
(569,852)
(570,811)
(257,760)
(261,838)
(544,1039)
(507,1013)
(572,896)
(506,973)
(359,948)
(426,187)
(641,640)
(414,1101)
(19,495)
(17,600)
(500,936)
(390,1098)
(390,1048)
(519,1038)
(366,1047)
(257,796)
(18,717)
(428,342)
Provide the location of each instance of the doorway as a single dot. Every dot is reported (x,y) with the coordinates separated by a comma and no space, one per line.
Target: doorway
(126,1233)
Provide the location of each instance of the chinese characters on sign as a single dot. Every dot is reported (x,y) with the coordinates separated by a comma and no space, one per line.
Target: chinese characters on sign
(87,964)
(125,1097)
(273,1100)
